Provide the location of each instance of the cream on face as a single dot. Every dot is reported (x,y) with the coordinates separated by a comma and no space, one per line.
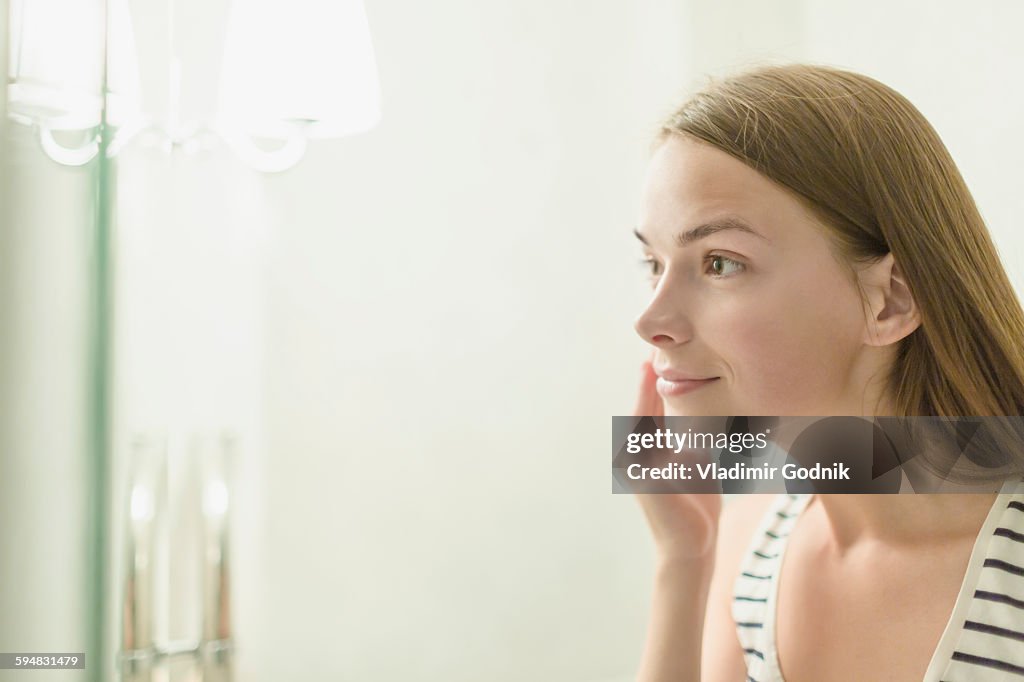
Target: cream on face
(750,313)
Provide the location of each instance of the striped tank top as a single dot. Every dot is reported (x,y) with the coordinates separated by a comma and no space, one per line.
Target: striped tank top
(984,638)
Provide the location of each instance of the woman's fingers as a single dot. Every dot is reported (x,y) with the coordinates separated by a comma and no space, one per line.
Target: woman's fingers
(648,402)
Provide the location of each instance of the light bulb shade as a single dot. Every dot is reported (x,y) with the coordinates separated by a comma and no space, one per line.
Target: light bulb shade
(57,52)
(307,62)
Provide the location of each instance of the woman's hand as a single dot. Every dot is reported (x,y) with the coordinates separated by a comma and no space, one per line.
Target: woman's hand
(685,529)
(684,526)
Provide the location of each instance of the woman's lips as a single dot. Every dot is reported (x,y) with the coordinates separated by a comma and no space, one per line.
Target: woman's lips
(668,387)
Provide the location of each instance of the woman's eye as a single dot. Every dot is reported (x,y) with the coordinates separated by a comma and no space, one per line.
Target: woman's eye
(720,266)
(653,266)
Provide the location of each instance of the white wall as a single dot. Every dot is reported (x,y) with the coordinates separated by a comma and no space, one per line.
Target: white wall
(449,332)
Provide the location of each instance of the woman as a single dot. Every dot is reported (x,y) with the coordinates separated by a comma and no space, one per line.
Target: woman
(814,251)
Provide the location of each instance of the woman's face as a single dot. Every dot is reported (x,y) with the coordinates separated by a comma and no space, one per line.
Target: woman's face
(746,294)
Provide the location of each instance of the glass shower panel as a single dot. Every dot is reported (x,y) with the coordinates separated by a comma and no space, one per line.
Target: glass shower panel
(53,350)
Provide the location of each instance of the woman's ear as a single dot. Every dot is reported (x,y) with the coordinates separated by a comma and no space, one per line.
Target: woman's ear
(892,312)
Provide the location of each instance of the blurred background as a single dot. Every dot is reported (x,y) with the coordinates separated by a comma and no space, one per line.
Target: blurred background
(313,318)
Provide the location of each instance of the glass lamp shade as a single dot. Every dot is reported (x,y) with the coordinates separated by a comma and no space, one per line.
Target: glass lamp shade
(298,65)
(124,106)
(56,63)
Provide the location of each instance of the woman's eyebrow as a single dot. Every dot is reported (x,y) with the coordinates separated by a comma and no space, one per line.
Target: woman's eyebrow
(707,229)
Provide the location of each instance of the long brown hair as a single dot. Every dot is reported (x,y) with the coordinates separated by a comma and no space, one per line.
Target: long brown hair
(874,171)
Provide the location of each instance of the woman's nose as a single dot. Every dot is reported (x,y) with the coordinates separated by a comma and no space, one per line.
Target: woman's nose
(645,330)
(662,324)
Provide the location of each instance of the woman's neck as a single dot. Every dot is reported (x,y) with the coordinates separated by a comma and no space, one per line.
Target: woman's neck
(904,518)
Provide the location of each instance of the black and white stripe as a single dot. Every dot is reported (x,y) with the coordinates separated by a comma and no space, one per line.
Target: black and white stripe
(753,594)
(991,643)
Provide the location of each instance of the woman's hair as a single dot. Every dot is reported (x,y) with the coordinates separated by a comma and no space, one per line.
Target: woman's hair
(868,164)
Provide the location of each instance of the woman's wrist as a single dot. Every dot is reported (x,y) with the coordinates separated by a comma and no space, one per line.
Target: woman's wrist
(678,554)
(681,567)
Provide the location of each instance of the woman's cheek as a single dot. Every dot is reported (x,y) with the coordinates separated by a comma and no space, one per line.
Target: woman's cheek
(777,356)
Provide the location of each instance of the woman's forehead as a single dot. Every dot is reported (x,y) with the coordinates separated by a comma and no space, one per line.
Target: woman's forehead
(690,183)
(689,171)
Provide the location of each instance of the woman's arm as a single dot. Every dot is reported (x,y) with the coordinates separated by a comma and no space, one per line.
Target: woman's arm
(672,651)
(691,635)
